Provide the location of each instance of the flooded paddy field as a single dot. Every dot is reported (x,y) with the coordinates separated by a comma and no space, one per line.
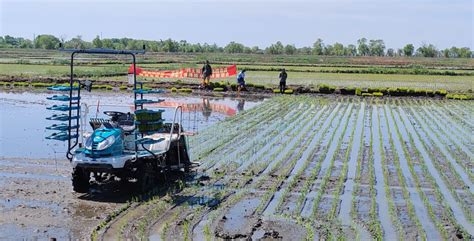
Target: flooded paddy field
(309,168)
(291,168)
(36,197)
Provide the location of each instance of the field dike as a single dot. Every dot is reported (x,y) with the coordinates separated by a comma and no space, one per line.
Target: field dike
(307,167)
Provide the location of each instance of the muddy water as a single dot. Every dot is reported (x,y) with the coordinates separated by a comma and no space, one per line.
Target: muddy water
(36,198)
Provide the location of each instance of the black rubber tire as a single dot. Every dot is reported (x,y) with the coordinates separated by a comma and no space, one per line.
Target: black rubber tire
(80,180)
(146,178)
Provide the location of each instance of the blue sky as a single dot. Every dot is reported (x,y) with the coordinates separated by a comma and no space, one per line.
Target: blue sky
(254,23)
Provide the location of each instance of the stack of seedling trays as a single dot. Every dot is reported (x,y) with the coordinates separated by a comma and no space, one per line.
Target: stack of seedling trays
(148,121)
(62,130)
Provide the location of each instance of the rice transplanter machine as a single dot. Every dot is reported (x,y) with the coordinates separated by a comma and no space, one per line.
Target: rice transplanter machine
(136,147)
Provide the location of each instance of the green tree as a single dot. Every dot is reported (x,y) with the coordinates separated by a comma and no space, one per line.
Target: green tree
(362,47)
(338,49)
(465,52)
(97,43)
(256,50)
(427,50)
(328,50)
(170,46)
(318,47)
(446,53)
(305,50)
(107,43)
(25,43)
(350,50)
(290,49)
(234,47)
(376,47)
(408,50)
(46,41)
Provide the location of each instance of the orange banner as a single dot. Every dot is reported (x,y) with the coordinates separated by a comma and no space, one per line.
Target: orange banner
(217,73)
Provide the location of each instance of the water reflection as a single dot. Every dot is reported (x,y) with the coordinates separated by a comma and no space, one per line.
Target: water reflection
(22,117)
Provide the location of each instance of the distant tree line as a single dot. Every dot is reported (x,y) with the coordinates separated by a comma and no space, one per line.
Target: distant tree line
(363,47)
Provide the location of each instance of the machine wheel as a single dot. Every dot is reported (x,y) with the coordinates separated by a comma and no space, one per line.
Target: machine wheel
(80,180)
(146,177)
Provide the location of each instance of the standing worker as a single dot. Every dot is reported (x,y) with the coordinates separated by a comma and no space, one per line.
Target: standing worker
(240,81)
(283,76)
(206,74)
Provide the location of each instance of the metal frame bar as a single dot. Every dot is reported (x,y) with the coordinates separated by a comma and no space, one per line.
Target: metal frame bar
(71,84)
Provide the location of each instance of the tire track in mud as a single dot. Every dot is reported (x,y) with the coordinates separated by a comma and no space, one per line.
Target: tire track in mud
(36,202)
(399,135)
(448,196)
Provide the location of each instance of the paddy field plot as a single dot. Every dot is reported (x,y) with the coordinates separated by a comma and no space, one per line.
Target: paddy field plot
(308,167)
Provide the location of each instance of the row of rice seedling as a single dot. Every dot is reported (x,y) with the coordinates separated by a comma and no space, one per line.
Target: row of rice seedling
(363,196)
(308,157)
(297,172)
(431,231)
(383,197)
(230,140)
(330,201)
(265,160)
(258,140)
(218,136)
(451,150)
(303,199)
(449,182)
(344,157)
(291,157)
(318,212)
(461,171)
(417,211)
(391,179)
(455,121)
(425,184)
(447,133)
(397,202)
(458,111)
(346,210)
(209,136)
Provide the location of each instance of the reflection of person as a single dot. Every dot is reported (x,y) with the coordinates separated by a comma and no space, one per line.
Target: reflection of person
(283,76)
(206,72)
(206,108)
(241,81)
(240,105)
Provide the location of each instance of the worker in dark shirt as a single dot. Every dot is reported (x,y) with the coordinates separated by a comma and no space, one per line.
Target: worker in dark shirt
(206,74)
(283,76)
